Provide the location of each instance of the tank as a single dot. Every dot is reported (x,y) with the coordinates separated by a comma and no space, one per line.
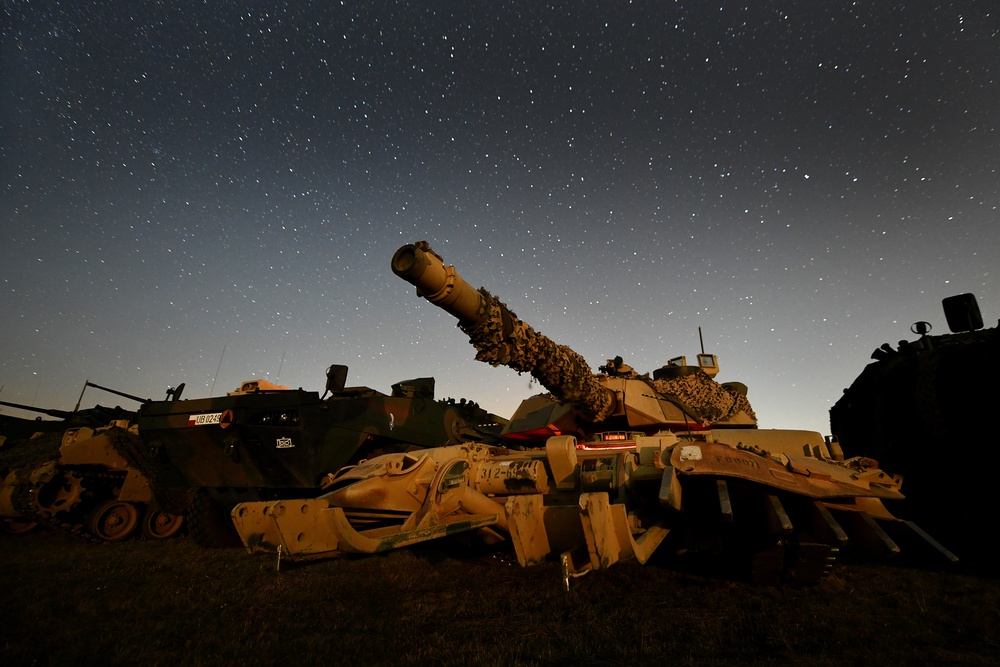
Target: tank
(925,398)
(678,396)
(616,465)
(77,474)
(89,490)
(264,441)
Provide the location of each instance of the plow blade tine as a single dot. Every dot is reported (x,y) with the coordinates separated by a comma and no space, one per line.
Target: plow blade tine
(937,546)
(725,505)
(872,536)
(777,519)
(826,526)
(920,540)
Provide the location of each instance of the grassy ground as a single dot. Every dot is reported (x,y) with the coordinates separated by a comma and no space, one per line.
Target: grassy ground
(173,603)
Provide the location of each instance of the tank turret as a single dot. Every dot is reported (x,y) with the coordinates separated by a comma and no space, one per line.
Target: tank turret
(678,396)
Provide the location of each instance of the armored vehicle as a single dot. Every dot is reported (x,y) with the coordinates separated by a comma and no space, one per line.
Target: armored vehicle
(77,474)
(924,402)
(264,441)
(623,463)
(91,487)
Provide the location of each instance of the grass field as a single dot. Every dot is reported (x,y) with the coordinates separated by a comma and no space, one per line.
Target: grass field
(174,603)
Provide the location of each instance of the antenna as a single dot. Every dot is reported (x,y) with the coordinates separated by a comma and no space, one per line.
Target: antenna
(701,340)
(277,378)
(80,400)
(212,390)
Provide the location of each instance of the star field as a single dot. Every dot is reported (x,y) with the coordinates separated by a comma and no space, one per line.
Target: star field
(209,192)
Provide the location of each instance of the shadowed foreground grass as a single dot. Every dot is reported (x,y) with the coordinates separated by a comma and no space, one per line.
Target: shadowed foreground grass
(173,603)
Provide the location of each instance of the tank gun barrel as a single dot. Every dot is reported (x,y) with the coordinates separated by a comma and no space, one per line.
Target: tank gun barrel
(438,283)
(88,383)
(61,414)
(69,415)
(499,336)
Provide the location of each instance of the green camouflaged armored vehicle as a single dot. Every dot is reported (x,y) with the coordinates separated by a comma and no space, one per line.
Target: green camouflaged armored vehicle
(264,442)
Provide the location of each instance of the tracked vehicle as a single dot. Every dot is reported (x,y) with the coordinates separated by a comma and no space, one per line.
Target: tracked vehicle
(921,403)
(623,463)
(91,490)
(78,474)
(264,441)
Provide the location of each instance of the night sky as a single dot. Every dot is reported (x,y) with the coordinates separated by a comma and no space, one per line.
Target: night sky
(803,180)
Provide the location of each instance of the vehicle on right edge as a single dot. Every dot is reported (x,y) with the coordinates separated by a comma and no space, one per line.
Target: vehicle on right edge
(923,408)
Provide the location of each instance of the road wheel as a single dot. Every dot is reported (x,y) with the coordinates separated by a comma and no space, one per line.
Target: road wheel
(157,525)
(113,520)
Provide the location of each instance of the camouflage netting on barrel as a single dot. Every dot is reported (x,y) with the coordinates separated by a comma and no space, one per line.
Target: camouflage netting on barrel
(712,401)
(501,338)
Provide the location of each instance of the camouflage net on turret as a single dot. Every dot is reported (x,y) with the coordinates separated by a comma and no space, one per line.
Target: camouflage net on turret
(558,368)
(712,401)
(500,338)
